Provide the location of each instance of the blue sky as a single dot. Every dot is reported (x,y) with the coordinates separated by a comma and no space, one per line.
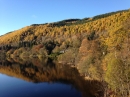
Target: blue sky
(15,14)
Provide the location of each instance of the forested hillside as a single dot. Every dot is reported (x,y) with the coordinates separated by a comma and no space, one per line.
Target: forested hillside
(97,46)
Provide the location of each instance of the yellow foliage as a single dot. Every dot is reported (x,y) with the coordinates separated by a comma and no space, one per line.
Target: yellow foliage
(98,25)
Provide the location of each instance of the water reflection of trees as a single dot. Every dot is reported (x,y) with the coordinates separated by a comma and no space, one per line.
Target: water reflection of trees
(43,70)
(37,71)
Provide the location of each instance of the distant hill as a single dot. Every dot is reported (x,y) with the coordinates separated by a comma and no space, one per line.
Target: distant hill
(97,23)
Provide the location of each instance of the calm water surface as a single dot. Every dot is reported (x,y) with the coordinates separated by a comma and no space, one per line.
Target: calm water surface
(13,87)
(42,78)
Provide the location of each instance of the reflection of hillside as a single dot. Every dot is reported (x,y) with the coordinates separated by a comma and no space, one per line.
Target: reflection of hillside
(36,72)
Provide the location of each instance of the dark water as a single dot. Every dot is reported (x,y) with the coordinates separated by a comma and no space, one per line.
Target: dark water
(43,78)
(13,87)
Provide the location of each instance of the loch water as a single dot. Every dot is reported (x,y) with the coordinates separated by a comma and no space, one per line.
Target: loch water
(43,78)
